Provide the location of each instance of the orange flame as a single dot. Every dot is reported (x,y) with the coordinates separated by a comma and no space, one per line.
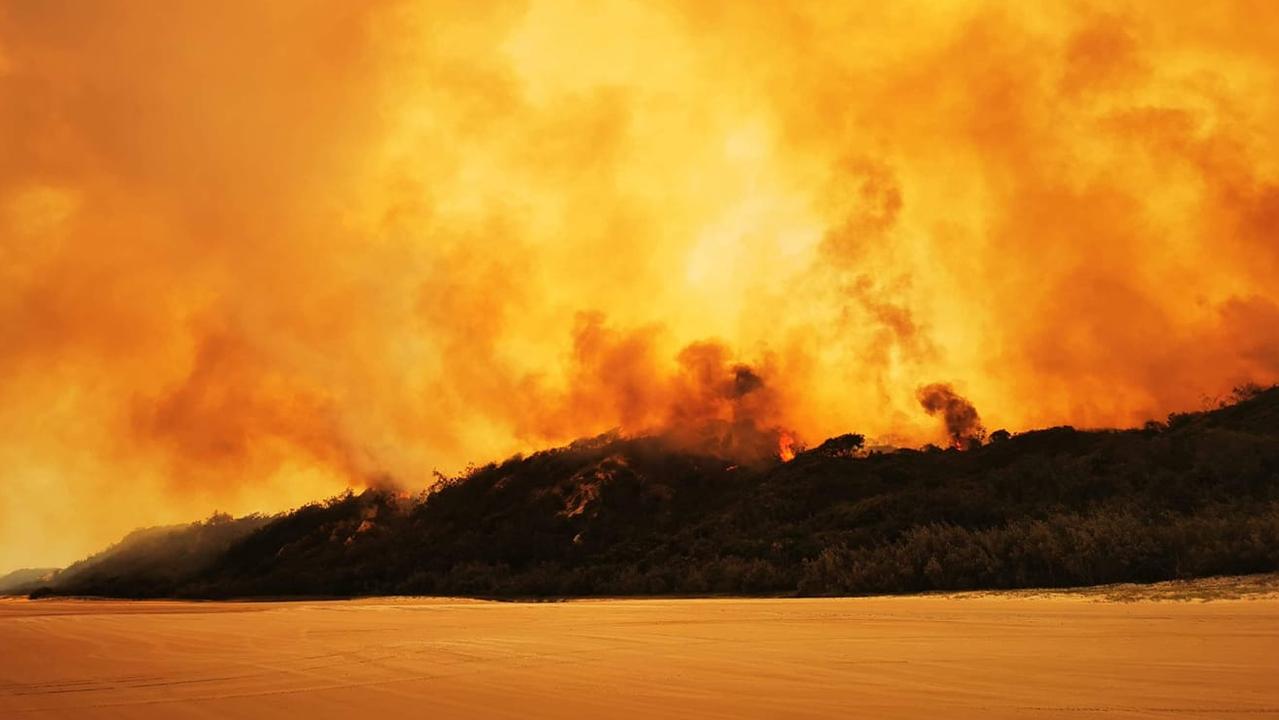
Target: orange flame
(786,447)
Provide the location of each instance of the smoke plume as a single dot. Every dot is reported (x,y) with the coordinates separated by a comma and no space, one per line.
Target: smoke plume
(703,399)
(254,253)
(963,425)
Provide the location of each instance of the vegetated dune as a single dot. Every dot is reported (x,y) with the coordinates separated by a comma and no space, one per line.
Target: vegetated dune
(1192,497)
(25,580)
(152,560)
(997,655)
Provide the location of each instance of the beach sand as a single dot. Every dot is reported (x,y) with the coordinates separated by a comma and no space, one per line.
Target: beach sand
(988,655)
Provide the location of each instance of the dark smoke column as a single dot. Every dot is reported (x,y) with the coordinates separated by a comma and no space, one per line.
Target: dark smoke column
(963,425)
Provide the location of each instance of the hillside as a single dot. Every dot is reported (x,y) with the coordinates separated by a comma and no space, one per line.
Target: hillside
(154,561)
(24,580)
(1195,496)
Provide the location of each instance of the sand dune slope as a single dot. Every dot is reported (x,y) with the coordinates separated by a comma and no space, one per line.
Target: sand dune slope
(954,657)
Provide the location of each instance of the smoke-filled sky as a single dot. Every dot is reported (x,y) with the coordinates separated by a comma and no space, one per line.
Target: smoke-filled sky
(254,253)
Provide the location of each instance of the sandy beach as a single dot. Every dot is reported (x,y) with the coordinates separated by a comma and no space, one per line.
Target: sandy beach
(968,656)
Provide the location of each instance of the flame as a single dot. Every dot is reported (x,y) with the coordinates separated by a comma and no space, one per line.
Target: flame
(786,446)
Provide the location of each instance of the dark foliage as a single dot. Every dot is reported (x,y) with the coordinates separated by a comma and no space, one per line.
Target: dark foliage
(1197,495)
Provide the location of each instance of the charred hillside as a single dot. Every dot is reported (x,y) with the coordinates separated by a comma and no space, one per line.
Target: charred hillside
(1197,495)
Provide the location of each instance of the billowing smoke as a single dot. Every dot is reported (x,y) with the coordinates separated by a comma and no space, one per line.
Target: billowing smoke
(963,425)
(703,399)
(254,253)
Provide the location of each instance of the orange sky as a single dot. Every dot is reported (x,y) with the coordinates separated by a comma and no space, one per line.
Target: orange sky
(254,253)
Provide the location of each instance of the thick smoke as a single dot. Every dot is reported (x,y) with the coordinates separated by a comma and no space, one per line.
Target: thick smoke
(253,253)
(704,400)
(963,425)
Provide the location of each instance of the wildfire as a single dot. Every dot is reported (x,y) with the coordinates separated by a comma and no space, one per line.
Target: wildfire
(786,447)
(386,253)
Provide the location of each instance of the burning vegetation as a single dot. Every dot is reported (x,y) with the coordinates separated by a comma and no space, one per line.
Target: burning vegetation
(255,253)
(617,515)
